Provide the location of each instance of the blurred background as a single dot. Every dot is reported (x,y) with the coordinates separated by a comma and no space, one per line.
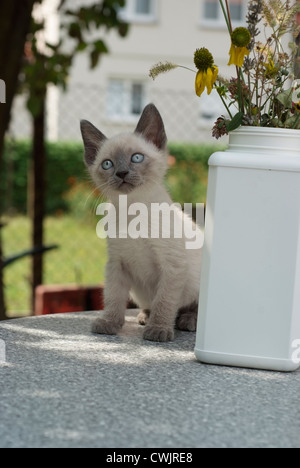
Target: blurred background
(66,60)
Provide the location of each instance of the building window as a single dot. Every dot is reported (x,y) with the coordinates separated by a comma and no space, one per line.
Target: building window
(139,11)
(143,7)
(213,14)
(211,10)
(125,99)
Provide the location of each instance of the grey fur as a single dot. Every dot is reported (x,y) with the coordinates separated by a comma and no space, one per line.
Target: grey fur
(160,274)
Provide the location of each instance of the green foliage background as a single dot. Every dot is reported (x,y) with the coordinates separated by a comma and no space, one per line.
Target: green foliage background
(67,180)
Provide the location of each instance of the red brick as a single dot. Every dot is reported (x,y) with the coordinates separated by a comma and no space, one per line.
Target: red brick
(69,298)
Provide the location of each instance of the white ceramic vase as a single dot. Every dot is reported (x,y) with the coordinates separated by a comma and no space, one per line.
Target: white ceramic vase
(249,308)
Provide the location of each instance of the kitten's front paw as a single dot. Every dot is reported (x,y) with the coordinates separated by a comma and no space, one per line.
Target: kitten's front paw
(143,317)
(187,322)
(105,327)
(187,318)
(157,333)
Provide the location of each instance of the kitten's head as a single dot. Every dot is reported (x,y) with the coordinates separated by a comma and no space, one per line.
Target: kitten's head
(127,162)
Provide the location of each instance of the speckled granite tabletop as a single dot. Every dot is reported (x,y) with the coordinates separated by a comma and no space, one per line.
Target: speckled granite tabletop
(62,386)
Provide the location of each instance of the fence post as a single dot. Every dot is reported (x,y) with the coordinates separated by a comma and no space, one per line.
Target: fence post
(37,196)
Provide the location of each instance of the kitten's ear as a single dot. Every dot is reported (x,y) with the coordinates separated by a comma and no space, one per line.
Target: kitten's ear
(152,128)
(93,139)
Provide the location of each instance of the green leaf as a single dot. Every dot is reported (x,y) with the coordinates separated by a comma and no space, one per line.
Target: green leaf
(123,29)
(100,47)
(293,122)
(285,98)
(75,31)
(36,26)
(34,105)
(95,56)
(235,123)
(81,46)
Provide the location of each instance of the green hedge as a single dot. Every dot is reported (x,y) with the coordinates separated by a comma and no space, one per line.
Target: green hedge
(198,153)
(65,170)
(64,165)
(187,179)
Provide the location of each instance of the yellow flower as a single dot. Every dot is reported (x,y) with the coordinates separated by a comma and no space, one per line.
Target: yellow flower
(208,72)
(240,39)
(237,55)
(297,106)
(271,70)
(206,79)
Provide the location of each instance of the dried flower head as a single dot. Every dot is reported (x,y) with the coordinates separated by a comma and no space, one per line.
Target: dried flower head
(160,68)
(220,129)
(203,59)
(255,9)
(241,37)
(280,15)
(234,88)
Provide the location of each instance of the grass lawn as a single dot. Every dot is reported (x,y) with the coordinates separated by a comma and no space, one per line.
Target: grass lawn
(80,259)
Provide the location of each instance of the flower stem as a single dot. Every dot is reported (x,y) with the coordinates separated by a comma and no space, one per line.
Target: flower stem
(227,16)
(227,19)
(187,68)
(225,105)
(240,94)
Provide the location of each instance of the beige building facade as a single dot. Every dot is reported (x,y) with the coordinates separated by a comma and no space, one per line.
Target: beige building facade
(113,95)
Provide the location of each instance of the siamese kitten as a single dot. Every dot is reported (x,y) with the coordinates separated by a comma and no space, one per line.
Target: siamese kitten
(161,275)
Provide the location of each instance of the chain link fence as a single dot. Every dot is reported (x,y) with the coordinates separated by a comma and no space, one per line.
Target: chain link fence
(81,256)
(184,117)
(79,259)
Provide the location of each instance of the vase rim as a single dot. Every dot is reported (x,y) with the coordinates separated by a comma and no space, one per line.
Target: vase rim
(267,130)
(261,147)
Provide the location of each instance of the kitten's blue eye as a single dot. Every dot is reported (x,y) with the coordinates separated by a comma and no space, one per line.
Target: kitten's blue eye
(137,158)
(107,165)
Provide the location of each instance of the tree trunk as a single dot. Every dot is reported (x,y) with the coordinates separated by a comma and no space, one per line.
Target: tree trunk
(15,16)
(37,196)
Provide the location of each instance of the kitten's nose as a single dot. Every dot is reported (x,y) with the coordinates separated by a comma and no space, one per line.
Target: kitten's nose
(122,174)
